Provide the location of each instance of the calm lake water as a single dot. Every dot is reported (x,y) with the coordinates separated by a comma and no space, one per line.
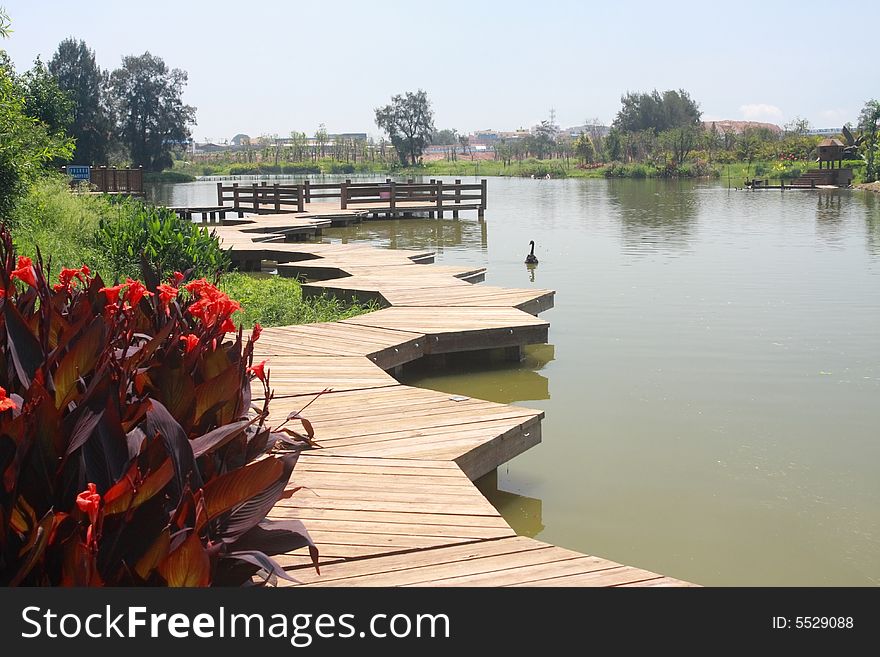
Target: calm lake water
(712,383)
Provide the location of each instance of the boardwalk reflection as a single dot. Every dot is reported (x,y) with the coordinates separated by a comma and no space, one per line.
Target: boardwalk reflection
(421,233)
(523,514)
(485,375)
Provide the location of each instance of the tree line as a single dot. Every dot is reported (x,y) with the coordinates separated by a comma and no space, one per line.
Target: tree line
(134,113)
(663,129)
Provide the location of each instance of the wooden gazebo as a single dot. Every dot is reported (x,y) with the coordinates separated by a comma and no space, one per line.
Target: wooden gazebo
(831,151)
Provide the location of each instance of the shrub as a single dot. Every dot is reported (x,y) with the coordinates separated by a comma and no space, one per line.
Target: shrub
(341,167)
(128,451)
(168,243)
(293,169)
(168,177)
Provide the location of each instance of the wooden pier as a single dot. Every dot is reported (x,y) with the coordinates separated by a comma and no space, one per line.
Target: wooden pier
(353,200)
(388,497)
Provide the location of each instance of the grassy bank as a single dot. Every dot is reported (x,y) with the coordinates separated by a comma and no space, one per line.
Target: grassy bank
(322,166)
(737,172)
(66,229)
(276,301)
(169,176)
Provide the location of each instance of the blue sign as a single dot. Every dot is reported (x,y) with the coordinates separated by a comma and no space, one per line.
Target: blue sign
(79,172)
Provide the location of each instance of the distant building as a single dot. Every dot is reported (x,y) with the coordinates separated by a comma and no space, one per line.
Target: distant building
(738,127)
(488,138)
(209,148)
(824,132)
(240,140)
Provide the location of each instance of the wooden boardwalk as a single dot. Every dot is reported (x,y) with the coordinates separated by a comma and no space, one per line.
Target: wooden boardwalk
(388,497)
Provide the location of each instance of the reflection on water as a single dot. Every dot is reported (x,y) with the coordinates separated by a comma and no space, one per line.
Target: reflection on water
(829,218)
(422,233)
(524,514)
(872,221)
(485,375)
(654,214)
(711,390)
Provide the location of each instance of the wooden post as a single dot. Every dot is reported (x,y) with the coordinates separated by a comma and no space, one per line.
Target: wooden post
(300,200)
(439,200)
(256,189)
(343,195)
(277,198)
(307,191)
(235,200)
(482,208)
(457,197)
(392,197)
(219,193)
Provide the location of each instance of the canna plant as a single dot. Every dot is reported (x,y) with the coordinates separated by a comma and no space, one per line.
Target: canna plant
(129,451)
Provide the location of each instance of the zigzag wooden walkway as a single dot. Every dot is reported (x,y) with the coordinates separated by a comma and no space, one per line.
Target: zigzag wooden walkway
(389,498)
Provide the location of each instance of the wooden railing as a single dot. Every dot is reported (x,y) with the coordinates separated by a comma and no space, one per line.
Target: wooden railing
(262,198)
(431,196)
(115,181)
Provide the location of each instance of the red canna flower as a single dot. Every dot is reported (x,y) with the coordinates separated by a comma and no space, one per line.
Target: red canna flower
(89,501)
(259,370)
(255,335)
(6,403)
(176,277)
(228,326)
(166,294)
(112,293)
(213,306)
(25,271)
(135,292)
(191,341)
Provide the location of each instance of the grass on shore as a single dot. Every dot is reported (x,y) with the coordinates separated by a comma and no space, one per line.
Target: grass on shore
(276,301)
(737,172)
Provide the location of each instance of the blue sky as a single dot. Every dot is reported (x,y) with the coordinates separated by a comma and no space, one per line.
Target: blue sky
(270,67)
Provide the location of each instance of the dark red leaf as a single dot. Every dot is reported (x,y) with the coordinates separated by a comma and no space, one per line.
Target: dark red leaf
(23,345)
(218,437)
(188,564)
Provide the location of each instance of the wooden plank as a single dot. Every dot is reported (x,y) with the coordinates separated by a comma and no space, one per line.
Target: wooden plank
(417,559)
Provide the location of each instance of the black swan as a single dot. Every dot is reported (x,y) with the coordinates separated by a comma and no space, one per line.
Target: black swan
(531,259)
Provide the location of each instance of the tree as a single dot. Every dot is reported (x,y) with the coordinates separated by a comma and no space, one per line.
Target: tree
(584,149)
(747,147)
(76,73)
(45,101)
(445,137)
(798,126)
(679,142)
(542,141)
(321,138)
(152,115)
(868,124)
(653,111)
(26,144)
(409,123)
(613,145)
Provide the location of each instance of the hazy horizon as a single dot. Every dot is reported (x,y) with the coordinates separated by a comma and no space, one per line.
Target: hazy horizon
(291,66)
